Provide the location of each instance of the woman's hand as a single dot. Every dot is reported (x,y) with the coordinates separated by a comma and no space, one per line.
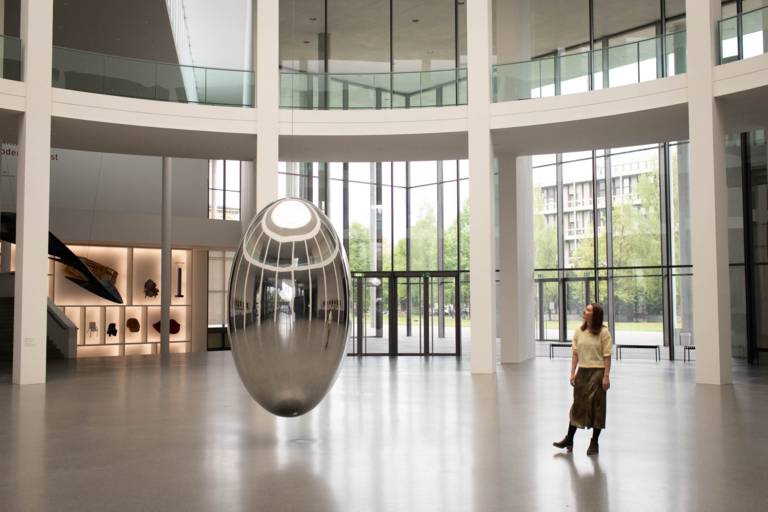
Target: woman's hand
(572,379)
(606,382)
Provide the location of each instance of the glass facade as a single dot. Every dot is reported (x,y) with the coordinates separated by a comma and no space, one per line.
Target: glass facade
(405,226)
(612,226)
(393,216)
(331,36)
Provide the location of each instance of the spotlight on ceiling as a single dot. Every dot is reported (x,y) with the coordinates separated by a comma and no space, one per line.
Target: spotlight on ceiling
(313,19)
(415,20)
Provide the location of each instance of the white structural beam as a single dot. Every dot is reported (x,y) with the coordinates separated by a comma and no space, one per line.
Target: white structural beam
(709,200)
(165,259)
(516,292)
(267,52)
(32,196)
(482,268)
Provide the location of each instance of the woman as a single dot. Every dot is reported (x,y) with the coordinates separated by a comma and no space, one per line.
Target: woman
(592,355)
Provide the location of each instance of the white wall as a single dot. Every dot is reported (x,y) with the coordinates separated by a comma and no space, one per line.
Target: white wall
(115,199)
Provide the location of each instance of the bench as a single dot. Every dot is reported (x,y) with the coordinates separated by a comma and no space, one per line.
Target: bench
(557,344)
(687,352)
(656,348)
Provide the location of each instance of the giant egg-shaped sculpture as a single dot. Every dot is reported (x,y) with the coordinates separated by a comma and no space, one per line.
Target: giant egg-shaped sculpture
(288,307)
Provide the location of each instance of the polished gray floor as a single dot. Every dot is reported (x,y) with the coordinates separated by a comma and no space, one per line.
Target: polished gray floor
(402,434)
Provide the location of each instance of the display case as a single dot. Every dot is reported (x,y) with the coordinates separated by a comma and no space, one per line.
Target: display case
(109,329)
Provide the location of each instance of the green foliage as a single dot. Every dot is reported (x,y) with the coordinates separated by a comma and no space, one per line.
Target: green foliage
(359,247)
(636,239)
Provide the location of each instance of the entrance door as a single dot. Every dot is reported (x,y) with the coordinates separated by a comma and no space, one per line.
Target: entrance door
(406,313)
(371,329)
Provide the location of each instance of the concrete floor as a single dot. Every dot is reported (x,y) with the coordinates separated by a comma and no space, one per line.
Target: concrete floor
(402,434)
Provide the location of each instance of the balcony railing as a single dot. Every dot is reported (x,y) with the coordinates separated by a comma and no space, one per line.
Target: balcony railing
(135,78)
(10,49)
(744,35)
(348,91)
(629,63)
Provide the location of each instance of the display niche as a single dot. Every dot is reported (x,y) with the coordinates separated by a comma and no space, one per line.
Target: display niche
(108,329)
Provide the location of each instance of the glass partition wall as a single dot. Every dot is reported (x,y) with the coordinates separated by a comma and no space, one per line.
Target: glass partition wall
(746,158)
(565,47)
(375,54)
(612,226)
(405,226)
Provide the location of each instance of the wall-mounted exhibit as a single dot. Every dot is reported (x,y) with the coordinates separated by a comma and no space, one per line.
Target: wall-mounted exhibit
(107,329)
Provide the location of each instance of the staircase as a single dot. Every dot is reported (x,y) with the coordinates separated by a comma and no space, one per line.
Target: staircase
(61,339)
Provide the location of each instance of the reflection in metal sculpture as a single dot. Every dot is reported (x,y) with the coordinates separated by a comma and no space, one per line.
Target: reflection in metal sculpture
(288,307)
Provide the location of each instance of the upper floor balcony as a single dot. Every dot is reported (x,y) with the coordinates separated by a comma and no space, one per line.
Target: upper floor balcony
(349,91)
(743,36)
(602,68)
(135,78)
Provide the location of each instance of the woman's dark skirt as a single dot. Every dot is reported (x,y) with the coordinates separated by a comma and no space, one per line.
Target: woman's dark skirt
(588,410)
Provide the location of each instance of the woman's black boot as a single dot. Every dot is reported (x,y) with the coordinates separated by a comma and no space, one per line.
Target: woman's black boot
(567,442)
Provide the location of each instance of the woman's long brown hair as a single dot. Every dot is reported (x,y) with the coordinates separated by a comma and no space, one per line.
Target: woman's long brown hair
(597,319)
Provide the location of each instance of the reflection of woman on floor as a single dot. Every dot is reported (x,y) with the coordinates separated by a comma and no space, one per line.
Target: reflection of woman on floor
(592,355)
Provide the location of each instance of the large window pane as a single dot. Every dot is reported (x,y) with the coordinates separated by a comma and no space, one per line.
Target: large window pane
(680,222)
(578,235)
(423,228)
(450,232)
(545,217)
(733,174)
(362,226)
(635,212)
(759,230)
(638,310)
(359,36)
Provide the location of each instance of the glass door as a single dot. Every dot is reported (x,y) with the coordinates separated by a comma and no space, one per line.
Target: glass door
(444,318)
(370,322)
(410,318)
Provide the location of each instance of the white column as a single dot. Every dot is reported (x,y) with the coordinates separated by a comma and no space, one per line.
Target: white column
(165,260)
(267,99)
(32,196)
(709,201)
(482,248)
(516,292)
(247,194)
(199,289)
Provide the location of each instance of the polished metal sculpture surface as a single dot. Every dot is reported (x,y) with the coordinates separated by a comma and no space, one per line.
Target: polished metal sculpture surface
(288,307)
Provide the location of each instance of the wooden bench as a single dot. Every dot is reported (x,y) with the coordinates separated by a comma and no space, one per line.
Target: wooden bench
(656,348)
(556,344)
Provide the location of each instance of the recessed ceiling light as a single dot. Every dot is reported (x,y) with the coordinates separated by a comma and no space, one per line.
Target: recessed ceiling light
(306,42)
(415,20)
(313,19)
